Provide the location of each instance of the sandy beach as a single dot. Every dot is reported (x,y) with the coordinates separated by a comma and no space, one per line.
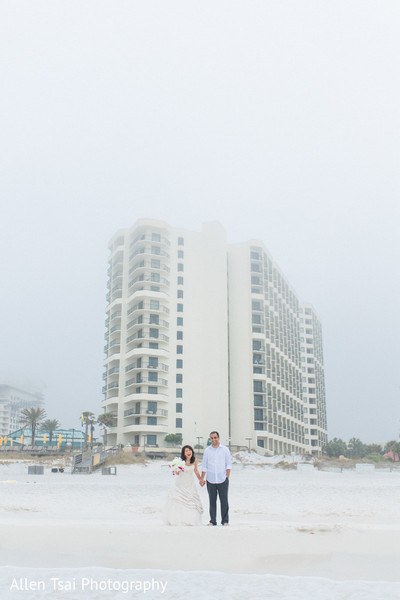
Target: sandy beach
(292,534)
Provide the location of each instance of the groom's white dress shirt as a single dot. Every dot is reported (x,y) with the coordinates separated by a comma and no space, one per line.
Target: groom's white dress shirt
(216,461)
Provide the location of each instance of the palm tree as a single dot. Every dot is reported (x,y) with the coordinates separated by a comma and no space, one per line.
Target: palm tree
(32,417)
(89,419)
(50,425)
(106,420)
(356,448)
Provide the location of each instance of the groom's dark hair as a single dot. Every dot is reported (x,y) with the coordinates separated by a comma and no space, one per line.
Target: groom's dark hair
(214,432)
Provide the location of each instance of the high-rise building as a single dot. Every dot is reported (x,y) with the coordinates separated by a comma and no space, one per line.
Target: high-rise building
(264,353)
(13,399)
(166,333)
(313,380)
(201,335)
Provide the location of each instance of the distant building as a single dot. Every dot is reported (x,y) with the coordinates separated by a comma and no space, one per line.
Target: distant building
(202,335)
(70,438)
(266,405)
(313,380)
(12,400)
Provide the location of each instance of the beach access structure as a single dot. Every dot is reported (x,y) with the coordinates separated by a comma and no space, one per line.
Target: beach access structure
(90,460)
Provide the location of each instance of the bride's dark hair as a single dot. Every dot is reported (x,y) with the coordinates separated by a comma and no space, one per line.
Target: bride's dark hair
(183,457)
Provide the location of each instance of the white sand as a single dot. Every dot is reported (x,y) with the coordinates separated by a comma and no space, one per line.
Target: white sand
(292,535)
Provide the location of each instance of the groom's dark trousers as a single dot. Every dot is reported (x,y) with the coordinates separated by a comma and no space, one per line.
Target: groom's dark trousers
(222,490)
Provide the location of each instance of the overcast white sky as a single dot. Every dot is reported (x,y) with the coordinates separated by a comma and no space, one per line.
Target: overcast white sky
(279,119)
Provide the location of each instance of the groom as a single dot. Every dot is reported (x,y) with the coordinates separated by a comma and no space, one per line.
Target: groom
(217,465)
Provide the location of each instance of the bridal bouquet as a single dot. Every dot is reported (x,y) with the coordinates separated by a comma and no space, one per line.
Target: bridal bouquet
(177,466)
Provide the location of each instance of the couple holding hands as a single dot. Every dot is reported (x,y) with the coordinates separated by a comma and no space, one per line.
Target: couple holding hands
(184,506)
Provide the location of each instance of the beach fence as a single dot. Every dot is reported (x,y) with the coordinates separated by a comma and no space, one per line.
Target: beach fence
(365,467)
(305,467)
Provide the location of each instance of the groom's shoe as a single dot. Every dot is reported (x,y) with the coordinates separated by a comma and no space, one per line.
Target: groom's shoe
(225,524)
(213,524)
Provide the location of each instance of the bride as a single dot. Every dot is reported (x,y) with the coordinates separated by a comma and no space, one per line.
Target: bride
(184,506)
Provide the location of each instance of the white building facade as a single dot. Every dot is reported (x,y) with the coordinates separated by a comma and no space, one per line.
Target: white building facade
(264,353)
(166,333)
(13,399)
(313,380)
(201,335)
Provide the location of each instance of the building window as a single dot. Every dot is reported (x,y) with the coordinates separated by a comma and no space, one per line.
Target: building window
(154,305)
(179,349)
(151,440)
(179,307)
(258,414)
(152,407)
(179,407)
(179,321)
(179,423)
(155,263)
(153,376)
(179,363)
(179,335)
(180,280)
(181,241)
(153,345)
(153,362)
(156,250)
(257,386)
(180,254)
(151,420)
(153,332)
(260,443)
(179,378)
(155,277)
(179,393)
(152,390)
(154,319)
(180,267)
(156,237)
(180,294)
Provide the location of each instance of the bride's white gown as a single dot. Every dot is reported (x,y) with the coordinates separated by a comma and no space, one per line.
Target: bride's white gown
(183,506)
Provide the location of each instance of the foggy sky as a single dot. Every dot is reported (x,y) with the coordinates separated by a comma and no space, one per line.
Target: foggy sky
(278,119)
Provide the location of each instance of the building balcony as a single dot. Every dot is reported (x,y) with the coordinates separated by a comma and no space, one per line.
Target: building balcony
(111,404)
(147,265)
(110,372)
(135,396)
(153,307)
(147,250)
(144,428)
(112,352)
(145,281)
(110,394)
(147,366)
(148,237)
(144,348)
(146,336)
(140,322)
(145,412)
(146,380)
